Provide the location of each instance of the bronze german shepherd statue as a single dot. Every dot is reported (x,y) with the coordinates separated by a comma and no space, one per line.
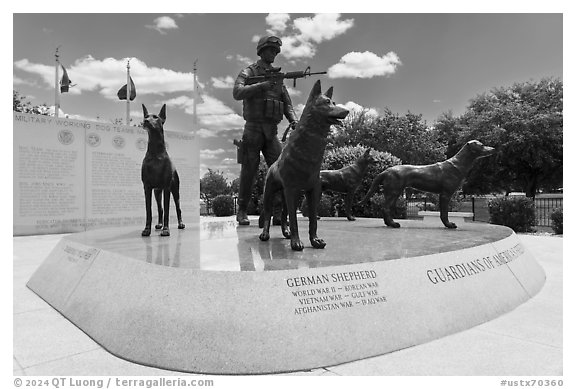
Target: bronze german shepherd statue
(347,180)
(298,167)
(159,175)
(442,178)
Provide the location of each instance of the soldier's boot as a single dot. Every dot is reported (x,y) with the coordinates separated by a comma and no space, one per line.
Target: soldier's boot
(242,218)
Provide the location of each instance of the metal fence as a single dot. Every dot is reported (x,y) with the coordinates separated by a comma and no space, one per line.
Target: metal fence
(545,204)
(478,205)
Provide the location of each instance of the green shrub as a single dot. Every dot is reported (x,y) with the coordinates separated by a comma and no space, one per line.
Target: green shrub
(377,205)
(400,211)
(325,208)
(223,205)
(518,213)
(557,223)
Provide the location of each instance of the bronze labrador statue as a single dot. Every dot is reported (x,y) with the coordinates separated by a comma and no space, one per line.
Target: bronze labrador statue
(347,180)
(298,167)
(159,175)
(443,178)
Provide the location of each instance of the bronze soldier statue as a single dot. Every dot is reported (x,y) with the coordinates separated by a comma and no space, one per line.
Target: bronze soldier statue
(264,105)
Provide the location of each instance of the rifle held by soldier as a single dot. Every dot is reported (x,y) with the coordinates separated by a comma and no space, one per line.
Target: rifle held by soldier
(275,75)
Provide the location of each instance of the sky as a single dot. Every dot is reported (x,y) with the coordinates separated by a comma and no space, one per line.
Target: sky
(428,63)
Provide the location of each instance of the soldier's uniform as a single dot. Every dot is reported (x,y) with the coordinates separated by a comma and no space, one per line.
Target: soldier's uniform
(263,109)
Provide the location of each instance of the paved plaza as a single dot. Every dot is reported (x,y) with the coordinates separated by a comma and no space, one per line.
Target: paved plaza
(527,341)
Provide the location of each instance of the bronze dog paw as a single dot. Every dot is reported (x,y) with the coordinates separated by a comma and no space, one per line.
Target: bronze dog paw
(297,245)
(318,243)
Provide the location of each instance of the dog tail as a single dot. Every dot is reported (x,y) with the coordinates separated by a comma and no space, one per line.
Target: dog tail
(375,184)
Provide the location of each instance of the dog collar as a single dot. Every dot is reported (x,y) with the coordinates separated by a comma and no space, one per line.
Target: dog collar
(455,167)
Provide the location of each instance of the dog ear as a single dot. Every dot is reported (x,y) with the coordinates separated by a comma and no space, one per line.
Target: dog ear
(329,92)
(316,91)
(144,110)
(474,144)
(162,114)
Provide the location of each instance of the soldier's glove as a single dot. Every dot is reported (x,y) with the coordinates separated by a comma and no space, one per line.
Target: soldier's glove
(291,126)
(266,85)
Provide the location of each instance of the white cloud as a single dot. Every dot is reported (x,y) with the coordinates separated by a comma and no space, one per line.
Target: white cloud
(322,27)
(298,109)
(230,121)
(293,92)
(355,107)
(108,75)
(294,47)
(228,161)
(364,65)
(240,58)
(277,22)
(162,24)
(211,154)
(223,82)
(21,81)
(204,133)
(212,114)
(301,37)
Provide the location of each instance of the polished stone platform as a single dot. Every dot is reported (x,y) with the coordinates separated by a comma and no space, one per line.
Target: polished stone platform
(213,298)
(225,246)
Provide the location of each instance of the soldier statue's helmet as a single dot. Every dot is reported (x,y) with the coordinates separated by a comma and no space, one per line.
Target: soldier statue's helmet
(268,41)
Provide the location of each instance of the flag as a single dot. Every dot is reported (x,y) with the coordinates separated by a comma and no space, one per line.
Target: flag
(123,91)
(198,92)
(65,81)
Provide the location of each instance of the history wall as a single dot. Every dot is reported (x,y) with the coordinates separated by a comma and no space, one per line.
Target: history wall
(73,175)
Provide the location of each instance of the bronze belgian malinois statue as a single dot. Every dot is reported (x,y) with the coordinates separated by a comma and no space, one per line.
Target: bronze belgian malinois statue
(347,180)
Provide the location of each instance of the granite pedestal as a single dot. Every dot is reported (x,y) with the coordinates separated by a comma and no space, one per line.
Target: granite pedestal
(213,298)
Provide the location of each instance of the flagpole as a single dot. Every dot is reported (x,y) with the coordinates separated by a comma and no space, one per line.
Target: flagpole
(128,91)
(194,111)
(56,79)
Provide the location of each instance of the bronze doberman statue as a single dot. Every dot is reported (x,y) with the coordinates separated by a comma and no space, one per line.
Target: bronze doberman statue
(159,175)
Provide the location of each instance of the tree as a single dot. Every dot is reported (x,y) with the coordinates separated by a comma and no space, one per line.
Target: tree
(235,185)
(448,131)
(404,136)
(212,184)
(525,124)
(20,104)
